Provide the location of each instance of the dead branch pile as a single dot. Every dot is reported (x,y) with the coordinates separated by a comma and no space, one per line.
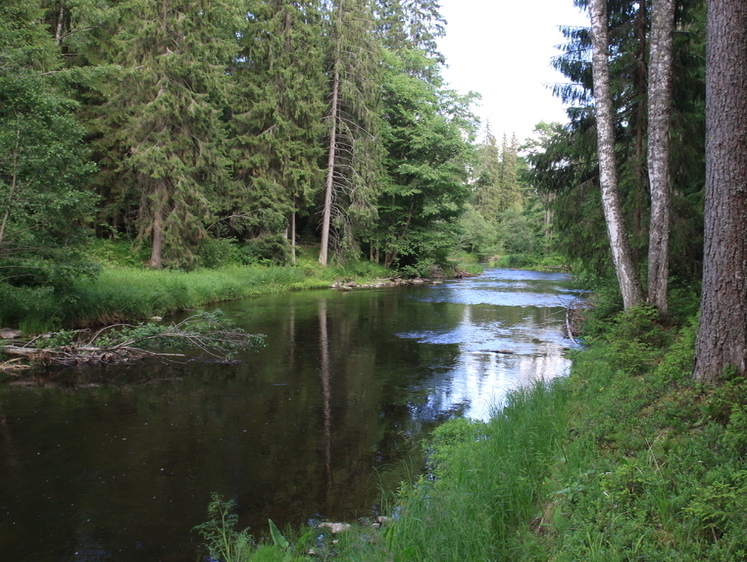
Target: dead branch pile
(124,343)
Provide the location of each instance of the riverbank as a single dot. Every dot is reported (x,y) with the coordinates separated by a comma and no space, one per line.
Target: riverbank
(131,293)
(627,458)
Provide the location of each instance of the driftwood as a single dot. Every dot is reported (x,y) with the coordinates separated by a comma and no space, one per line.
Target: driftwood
(125,343)
(574,316)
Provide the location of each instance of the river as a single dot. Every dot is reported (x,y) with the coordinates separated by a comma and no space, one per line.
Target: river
(119,463)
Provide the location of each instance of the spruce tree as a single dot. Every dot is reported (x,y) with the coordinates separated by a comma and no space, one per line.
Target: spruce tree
(277,108)
(164,112)
(353,148)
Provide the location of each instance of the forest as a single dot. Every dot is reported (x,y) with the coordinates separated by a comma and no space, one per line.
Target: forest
(200,133)
(195,135)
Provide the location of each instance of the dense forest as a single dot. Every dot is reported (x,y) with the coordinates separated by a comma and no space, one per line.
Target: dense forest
(201,133)
(205,132)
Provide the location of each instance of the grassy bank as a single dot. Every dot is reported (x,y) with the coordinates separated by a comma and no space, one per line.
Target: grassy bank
(124,290)
(627,459)
(131,293)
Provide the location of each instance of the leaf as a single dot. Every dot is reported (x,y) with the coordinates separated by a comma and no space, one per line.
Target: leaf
(277,537)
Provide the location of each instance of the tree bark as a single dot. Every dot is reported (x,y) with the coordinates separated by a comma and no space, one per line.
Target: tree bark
(627,276)
(659,118)
(330,183)
(329,186)
(157,235)
(722,334)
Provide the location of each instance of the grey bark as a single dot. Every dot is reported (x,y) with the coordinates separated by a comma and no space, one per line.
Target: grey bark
(329,185)
(627,276)
(722,334)
(659,118)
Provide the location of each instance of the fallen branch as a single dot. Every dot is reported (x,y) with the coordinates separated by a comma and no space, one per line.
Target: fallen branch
(208,333)
(574,317)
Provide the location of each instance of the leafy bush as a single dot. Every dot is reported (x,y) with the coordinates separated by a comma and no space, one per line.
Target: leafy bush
(219,252)
(267,250)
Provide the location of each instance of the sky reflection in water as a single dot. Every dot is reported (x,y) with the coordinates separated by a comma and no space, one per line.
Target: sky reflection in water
(509,336)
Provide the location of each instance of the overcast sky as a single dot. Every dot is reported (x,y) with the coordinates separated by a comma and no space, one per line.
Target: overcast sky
(502,49)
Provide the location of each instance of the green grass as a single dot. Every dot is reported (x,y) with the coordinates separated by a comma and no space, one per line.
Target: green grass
(129,293)
(125,291)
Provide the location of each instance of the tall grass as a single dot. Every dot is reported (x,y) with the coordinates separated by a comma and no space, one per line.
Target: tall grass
(134,293)
(485,484)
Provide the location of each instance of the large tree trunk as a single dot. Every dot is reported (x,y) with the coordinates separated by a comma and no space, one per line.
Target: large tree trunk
(627,276)
(659,117)
(722,335)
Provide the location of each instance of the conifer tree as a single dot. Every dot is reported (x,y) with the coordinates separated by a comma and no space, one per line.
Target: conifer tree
(353,153)
(722,332)
(277,113)
(487,178)
(164,110)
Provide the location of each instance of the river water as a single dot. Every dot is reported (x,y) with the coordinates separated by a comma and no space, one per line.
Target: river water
(120,463)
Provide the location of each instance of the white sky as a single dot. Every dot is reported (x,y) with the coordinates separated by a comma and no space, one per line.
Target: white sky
(502,49)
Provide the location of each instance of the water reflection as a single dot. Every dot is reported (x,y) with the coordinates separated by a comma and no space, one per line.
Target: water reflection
(119,463)
(507,333)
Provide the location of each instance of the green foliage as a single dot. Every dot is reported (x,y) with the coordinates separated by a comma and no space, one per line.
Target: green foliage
(276,115)
(43,161)
(223,541)
(269,250)
(478,236)
(424,131)
(161,121)
(277,537)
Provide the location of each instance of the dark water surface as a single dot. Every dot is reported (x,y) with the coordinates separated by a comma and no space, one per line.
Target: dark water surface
(119,463)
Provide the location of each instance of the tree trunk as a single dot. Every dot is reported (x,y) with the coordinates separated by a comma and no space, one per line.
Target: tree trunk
(331,157)
(627,276)
(156,253)
(659,117)
(722,334)
(327,213)
(293,237)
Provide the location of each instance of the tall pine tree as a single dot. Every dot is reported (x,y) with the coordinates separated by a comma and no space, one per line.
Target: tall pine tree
(353,150)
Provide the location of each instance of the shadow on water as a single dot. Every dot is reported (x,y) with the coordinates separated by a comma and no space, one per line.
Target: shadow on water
(118,463)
